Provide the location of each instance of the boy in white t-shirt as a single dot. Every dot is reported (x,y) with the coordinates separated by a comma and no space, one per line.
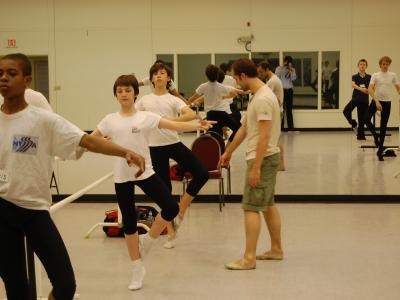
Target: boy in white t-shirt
(165,144)
(30,137)
(171,84)
(380,89)
(131,128)
(215,104)
(261,128)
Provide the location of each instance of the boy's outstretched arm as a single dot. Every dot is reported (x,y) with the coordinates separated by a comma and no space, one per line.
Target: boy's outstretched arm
(100,145)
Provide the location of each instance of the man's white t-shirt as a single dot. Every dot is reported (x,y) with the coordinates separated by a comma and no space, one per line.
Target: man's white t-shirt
(130,132)
(275,84)
(29,140)
(384,82)
(262,106)
(147,82)
(167,106)
(213,96)
(35,98)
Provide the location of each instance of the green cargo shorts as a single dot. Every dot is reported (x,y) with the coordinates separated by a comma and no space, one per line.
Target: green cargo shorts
(262,196)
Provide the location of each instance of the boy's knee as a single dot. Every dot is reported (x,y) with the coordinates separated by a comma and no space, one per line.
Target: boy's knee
(169,213)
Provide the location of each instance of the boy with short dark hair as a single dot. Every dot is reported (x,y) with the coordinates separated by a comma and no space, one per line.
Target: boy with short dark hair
(360,99)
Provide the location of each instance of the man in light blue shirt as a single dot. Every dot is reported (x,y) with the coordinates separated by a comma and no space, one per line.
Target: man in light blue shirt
(287,74)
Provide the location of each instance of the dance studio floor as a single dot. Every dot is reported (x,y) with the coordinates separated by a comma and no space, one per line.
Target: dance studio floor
(332,251)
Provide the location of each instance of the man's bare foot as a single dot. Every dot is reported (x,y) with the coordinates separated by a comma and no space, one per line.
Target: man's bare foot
(241,264)
(270,255)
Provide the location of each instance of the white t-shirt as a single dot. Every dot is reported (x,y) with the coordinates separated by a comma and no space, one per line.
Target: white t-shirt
(384,82)
(262,106)
(130,132)
(35,98)
(229,81)
(146,81)
(275,84)
(213,96)
(167,106)
(29,140)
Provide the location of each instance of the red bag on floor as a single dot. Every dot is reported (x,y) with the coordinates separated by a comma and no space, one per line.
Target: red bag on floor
(145,215)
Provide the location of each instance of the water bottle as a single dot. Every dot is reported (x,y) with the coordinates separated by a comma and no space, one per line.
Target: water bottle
(150,217)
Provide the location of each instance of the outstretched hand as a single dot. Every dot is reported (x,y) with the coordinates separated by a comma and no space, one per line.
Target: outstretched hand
(205,124)
(136,159)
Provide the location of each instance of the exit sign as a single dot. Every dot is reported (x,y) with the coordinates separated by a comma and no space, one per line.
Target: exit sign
(11,43)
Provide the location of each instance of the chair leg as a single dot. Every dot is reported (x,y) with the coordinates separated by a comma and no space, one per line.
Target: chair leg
(228,184)
(223,193)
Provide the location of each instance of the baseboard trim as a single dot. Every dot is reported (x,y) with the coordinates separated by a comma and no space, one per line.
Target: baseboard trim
(104,198)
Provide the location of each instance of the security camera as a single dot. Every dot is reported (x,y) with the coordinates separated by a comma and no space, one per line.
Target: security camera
(245,39)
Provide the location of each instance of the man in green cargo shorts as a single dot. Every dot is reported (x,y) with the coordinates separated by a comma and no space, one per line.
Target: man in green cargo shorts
(261,127)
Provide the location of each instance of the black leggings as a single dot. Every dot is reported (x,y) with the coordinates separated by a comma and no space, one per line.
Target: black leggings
(187,161)
(152,187)
(223,119)
(385,114)
(362,108)
(45,240)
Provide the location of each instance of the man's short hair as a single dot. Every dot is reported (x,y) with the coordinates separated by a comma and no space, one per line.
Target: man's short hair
(265,65)
(288,59)
(245,66)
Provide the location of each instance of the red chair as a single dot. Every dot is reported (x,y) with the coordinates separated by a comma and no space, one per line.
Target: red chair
(221,141)
(208,150)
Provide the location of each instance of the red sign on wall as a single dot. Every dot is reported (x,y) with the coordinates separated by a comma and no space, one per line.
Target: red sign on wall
(12,43)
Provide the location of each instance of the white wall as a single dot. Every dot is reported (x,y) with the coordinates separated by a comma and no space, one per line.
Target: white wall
(89,43)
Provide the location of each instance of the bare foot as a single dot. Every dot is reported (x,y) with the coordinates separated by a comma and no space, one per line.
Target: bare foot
(270,255)
(241,264)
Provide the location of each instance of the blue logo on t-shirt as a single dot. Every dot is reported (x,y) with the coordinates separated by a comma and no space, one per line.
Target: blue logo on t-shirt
(25,144)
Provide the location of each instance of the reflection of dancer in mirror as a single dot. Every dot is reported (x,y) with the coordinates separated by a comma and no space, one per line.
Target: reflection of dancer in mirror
(380,87)
(171,85)
(131,128)
(215,103)
(359,99)
(287,74)
(265,73)
(261,126)
(165,144)
(230,81)
(30,137)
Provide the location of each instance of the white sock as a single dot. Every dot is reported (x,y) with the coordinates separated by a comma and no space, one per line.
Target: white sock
(138,275)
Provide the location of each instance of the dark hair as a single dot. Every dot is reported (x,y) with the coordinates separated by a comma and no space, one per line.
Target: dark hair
(265,65)
(246,66)
(212,72)
(386,59)
(127,80)
(159,61)
(221,76)
(23,61)
(224,67)
(157,66)
(288,59)
(362,60)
